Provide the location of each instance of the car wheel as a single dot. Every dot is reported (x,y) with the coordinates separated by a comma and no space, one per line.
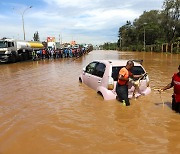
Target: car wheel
(100,93)
(13,58)
(25,56)
(80,80)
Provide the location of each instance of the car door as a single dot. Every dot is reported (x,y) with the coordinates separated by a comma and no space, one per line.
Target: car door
(95,79)
(87,73)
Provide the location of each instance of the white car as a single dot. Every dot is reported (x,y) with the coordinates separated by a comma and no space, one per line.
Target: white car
(102,75)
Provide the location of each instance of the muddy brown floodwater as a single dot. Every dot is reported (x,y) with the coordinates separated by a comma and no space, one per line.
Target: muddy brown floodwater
(44,109)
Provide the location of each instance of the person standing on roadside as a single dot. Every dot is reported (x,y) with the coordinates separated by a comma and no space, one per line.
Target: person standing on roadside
(43,54)
(33,55)
(175,82)
(122,83)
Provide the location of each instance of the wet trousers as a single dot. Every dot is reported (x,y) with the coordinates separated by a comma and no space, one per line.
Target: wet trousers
(175,105)
(122,93)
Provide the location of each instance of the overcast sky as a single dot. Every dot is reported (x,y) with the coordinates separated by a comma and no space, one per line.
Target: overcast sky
(85,21)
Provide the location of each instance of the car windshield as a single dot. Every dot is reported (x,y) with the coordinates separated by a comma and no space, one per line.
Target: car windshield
(136,70)
(3,44)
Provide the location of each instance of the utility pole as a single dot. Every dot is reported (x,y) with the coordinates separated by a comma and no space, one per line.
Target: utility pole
(120,41)
(144,39)
(23,21)
(61,39)
(144,36)
(22,16)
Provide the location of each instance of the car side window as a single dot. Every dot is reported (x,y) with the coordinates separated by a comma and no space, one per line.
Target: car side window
(9,44)
(115,72)
(99,70)
(91,67)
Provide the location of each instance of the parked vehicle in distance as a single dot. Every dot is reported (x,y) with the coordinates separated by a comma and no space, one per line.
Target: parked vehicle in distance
(14,50)
(102,76)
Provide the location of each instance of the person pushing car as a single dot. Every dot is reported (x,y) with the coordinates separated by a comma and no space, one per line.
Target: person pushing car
(122,84)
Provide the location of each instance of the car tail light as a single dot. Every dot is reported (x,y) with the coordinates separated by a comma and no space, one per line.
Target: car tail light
(110,83)
(147,81)
(147,84)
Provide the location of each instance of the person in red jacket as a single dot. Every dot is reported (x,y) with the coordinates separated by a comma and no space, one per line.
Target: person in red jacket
(176,96)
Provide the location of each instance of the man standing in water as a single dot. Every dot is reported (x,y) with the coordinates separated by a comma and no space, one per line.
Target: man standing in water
(176,96)
(122,84)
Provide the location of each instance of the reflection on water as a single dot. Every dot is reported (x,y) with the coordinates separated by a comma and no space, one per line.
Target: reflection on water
(44,109)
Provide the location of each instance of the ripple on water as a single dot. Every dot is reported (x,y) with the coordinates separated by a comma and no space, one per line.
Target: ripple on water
(44,109)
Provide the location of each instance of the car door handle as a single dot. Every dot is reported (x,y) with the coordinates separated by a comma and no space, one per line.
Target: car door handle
(99,81)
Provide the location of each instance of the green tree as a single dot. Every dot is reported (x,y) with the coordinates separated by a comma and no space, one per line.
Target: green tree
(171,19)
(36,36)
(127,35)
(152,28)
(109,46)
(149,24)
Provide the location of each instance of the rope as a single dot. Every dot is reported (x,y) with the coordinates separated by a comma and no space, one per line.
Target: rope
(160,92)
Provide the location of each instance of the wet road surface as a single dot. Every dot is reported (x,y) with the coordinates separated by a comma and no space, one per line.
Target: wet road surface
(44,109)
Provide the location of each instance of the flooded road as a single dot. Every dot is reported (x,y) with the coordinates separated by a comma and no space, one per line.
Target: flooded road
(44,109)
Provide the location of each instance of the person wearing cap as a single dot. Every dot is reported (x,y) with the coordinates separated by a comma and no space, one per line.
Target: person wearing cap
(175,82)
(122,84)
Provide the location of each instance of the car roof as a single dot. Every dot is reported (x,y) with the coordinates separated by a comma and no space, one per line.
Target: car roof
(118,62)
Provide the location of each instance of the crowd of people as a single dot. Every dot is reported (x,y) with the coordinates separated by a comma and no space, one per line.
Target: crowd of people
(66,52)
